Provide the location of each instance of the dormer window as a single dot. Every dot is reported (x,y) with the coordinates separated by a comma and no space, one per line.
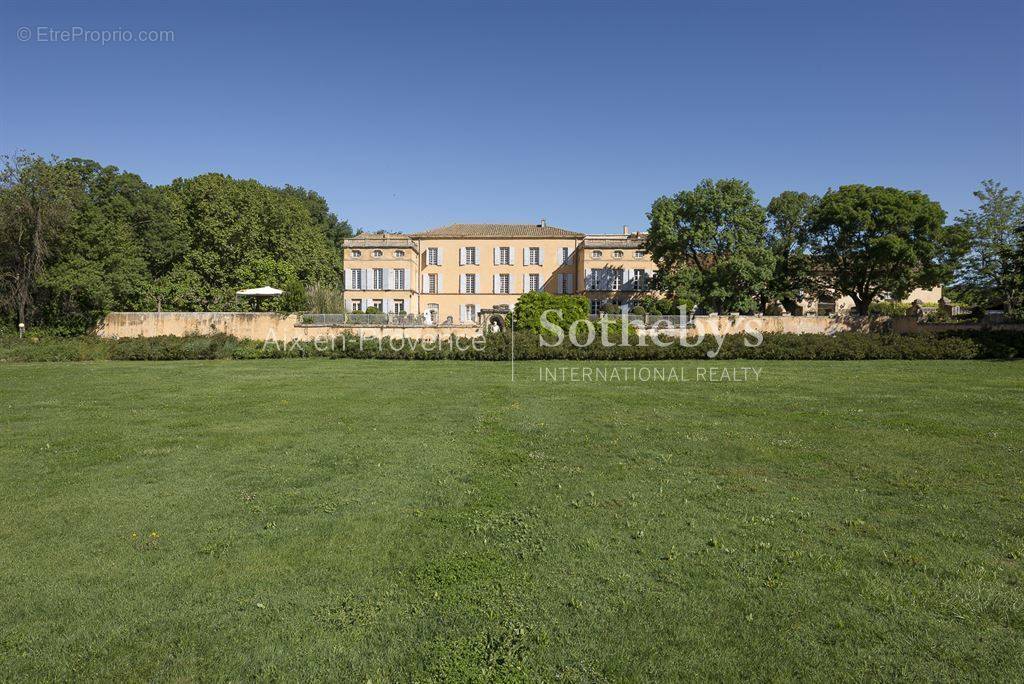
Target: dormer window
(597,254)
(356,254)
(617,254)
(377,254)
(638,254)
(399,253)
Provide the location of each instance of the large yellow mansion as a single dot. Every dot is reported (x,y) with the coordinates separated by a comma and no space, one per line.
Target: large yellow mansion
(454,272)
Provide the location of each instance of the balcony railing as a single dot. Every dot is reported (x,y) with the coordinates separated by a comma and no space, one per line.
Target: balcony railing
(357,319)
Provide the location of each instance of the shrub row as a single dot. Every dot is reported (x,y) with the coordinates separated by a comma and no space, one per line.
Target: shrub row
(779,346)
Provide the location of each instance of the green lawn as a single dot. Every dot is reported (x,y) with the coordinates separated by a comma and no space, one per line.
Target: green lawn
(394,521)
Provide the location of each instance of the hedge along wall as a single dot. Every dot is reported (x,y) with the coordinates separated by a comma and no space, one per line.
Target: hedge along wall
(268,325)
(976,344)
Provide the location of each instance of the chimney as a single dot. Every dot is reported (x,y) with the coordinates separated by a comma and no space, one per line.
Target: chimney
(625,230)
(543,223)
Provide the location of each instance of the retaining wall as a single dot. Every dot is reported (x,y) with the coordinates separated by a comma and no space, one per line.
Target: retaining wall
(268,325)
(252,326)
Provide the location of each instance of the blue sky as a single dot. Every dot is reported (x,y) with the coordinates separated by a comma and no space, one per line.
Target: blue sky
(409,116)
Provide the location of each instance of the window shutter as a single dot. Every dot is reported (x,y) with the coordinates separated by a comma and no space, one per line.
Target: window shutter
(526,256)
(462,256)
(439,250)
(560,286)
(496,283)
(387,306)
(407,279)
(588,279)
(569,281)
(512,257)
(462,283)
(526,282)
(387,278)
(348,279)
(540,256)
(497,255)
(425,283)
(437,283)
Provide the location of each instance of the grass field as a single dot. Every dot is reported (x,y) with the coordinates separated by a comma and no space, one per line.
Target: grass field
(394,521)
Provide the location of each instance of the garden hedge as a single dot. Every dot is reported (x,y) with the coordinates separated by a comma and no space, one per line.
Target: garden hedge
(983,344)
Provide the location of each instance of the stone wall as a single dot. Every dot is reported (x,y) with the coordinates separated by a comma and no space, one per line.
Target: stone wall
(801,325)
(252,326)
(267,325)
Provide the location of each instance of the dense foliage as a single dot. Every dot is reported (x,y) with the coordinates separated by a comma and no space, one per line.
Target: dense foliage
(710,244)
(874,242)
(78,239)
(564,310)
(790,239)
(991,273)
(718,250)
(966,344)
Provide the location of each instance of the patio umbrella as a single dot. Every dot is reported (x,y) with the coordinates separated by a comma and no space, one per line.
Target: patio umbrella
(257,294)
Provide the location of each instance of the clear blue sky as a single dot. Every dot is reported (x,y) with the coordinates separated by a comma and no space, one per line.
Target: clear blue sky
(412,116)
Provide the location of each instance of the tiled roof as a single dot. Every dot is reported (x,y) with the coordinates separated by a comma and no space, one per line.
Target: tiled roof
(497,230)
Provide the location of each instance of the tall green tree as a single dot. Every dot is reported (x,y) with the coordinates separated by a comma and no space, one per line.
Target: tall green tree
(877,241)
(990,273)
(97,264)
(1016,303)
(789,239)
(710,246)
(336,230)
(37,200)
(242,234)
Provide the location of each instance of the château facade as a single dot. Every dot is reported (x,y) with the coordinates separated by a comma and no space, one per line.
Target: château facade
(456,271)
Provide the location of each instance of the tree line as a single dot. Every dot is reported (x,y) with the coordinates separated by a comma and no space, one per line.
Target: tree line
(78,239)
(718,249)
